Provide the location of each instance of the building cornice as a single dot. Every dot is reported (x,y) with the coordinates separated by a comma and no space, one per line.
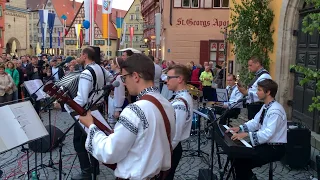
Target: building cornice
(8,7)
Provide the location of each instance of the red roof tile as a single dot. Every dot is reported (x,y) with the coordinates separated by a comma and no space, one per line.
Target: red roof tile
(65,7)
(35,4)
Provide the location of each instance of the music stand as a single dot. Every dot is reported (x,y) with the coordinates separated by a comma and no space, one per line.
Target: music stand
(198,152)
(22,121)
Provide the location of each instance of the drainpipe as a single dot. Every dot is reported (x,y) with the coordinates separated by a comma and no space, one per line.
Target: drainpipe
(171,4)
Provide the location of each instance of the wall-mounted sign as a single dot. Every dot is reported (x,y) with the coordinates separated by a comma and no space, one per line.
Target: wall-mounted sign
(204,23)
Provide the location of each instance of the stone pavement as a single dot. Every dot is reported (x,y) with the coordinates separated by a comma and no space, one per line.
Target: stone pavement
(14,162)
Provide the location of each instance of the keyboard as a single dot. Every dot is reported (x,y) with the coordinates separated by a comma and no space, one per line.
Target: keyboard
(233,148)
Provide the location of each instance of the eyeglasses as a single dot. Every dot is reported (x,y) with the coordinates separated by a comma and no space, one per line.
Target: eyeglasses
(171,77)
(123,77)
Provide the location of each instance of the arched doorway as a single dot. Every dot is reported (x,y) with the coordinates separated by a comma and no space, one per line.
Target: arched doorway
(13,47)
(297,48)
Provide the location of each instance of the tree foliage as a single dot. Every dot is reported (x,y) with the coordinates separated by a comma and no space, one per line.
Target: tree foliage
(251,33)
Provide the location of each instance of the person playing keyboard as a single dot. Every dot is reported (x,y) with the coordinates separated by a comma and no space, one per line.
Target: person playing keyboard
(267,132)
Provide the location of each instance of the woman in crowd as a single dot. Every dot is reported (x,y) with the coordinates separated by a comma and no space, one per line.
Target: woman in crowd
(11,70)
(6,86)
(117,98)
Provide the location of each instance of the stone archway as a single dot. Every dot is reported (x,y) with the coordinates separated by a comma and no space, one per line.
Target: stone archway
(9,46)
(286,54)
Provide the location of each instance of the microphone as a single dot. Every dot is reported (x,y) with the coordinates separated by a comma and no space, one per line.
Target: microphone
(242,100)
(108,87)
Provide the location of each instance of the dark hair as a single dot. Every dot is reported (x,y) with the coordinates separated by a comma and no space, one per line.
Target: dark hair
(256,59)
(233,76)
(181,70)
(129,52)
(140,64)
(2,65)
(269,85)
(89,51)
(118,61)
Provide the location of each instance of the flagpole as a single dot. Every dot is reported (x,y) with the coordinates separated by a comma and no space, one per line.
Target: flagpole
(108,37)
(92,23)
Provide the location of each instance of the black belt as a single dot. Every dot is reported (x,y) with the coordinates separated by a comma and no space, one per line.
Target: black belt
(276,144)
(256,103)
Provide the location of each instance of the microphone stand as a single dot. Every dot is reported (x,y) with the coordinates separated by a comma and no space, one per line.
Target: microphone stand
(34,97)
(210,125)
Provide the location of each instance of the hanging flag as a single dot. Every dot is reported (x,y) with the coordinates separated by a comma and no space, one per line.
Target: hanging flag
(51,18)
(81,38)
(106,11)
(95,8)
(131,31)
(59,38)
(119,22)
(123,33)
(86,5)
(43,15)
(78,30)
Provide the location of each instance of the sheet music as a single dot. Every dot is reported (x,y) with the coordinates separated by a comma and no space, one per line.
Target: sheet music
(29,120)
(33,85)
(222,95)
(243,141)
(20,124)
(11,132)
(98,116)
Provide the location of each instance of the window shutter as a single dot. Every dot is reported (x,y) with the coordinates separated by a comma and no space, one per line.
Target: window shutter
(204,51)
(177,3)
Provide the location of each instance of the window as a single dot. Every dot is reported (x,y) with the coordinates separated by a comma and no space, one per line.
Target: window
(132,17)
(109,53)
(109,42)
(201,3)
(216,51)
(126,38)
(137,8)
(1,11)
(137,39)
(220,3)
(137,17)
(190,3)
(136,27)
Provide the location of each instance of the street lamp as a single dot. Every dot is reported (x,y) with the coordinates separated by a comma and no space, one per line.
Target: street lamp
(145,40)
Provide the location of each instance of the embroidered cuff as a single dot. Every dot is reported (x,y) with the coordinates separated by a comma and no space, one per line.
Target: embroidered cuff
(93,129)
(245,128)
(254,138)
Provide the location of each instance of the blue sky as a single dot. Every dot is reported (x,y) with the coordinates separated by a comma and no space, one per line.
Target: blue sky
(118,4)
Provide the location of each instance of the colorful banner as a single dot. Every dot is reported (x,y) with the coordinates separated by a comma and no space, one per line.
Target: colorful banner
(123,33)
(43,15)
(78,30)
(51,18)
(106,11)
(59,38)
(131,31)
(119,22)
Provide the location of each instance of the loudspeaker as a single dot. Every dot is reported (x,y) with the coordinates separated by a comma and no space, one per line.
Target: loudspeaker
(97,58)
(56,133)
(204,174)
(298,148)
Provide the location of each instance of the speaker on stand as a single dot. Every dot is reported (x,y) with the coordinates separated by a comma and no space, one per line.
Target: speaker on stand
(37,146)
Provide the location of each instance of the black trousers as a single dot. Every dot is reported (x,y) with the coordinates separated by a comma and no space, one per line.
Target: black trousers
(209,93)
(86,160)
(176,156)
(263,154)
(253,109)
(232,113)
